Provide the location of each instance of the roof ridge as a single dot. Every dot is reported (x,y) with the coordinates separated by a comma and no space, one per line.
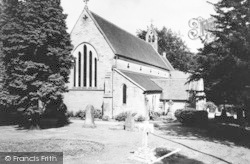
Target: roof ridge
(77,21)
(100,29)
(166,61)
(119,38)
(141,40)
(121,29)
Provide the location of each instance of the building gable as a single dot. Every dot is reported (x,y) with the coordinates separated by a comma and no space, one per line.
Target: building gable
(129,46)
(87,33)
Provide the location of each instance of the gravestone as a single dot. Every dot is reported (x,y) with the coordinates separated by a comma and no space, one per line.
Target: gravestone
(129,122)
(145,154)
(89,117)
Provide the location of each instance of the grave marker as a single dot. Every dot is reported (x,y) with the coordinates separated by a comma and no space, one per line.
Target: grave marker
(89,117)
(129,122)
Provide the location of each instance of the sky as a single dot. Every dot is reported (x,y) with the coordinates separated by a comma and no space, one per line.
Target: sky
(132,15)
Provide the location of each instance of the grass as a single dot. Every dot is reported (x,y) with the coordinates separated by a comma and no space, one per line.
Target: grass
(109,143)
(175,158)
(70,148)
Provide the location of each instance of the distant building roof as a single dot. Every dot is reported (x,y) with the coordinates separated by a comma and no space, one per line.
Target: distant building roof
(177,88)
(129,46)
(173,89)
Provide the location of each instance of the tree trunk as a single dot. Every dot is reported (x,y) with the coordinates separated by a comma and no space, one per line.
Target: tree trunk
(35,118)
(247,111)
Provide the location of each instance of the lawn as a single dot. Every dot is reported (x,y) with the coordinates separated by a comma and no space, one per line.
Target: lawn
(109,143)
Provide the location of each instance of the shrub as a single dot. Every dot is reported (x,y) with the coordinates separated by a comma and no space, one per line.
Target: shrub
(98,114)
(62,115)
(9,117)
(121,117)
(191,116)
(156,125)
(30,117)
(177,113)
(105,118)
(140,118)
(80,114)
(211,107)
(154,115)
(71,114)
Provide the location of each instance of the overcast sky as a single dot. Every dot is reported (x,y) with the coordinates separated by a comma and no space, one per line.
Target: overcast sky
(132,15)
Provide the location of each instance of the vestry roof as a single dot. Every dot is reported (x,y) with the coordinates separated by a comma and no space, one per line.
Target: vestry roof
(143,80)
(129,46)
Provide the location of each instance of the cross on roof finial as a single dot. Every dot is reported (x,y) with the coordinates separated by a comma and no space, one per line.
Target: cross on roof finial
(86,2)
(151,24)
(151,21)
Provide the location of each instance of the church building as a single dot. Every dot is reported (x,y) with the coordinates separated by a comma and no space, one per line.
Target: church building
(116,72)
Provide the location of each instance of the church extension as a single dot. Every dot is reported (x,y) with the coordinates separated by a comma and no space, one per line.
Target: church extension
(116,72)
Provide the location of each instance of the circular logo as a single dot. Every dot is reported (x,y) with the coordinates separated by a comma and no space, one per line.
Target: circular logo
(7,158)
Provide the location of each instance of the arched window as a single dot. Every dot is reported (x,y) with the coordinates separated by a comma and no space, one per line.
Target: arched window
(124,94)
(85,69)
(149,38)
(153,38)
(90,68)
(95,72)
(74,73)
(85,66)
(79,68)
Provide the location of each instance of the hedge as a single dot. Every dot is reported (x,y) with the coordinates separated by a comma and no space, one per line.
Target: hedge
(191,116)
(121,117)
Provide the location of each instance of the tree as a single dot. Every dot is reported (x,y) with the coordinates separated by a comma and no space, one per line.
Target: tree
(37,54)
(7,10)
(176,50)
(1,53)
(224,63)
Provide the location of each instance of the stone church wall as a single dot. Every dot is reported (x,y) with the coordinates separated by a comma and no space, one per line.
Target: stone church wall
(154,102)
(85,31)
(135,96)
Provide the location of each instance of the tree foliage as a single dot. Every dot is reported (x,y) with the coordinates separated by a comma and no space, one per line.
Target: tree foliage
(224,63)
(36,52)
(176,50)
(5,15)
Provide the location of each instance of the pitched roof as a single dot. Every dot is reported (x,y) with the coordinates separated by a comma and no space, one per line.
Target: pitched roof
(143,80)
(129,46)
(193,85)
(173,89)
(165,60)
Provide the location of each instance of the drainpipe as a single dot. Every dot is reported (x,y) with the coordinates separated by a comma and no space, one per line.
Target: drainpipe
(114,66)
